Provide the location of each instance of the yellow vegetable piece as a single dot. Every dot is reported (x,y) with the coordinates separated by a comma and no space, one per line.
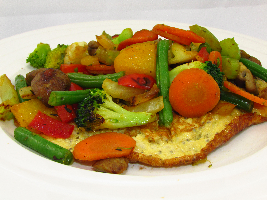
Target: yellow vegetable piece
(179,54)
(119,91)
(138,58)
(25,112)
(90,60)
(75,52)
(9,97)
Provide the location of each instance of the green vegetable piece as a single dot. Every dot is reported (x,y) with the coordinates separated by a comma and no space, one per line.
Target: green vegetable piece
(91,81)
(175,71)
(256,69)
(43,146)
(239,101)
(163,82)
(58,98)
(107,35)
(8,97)
(208,48)
(125,34)
(106,56)
(56,57)
(20,82)
(230,48)
(209,37)
(37,58)
(230,67)
(99,111)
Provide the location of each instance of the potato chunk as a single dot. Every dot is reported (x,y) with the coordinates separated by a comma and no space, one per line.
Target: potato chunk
(178,54)
(138,58)
(9,97)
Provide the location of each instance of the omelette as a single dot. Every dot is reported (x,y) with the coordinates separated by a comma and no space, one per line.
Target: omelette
(186,141)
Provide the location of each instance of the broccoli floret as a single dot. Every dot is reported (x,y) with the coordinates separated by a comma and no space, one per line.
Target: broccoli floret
(214,71)
(56,57)
(99,111)
(37,58)
(207,66)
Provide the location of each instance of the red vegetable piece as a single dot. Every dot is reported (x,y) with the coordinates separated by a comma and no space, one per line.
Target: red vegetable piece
(50,126)
(66,113)
(71,68)
(203,55)
(139,37)
(74,87)
(141,81)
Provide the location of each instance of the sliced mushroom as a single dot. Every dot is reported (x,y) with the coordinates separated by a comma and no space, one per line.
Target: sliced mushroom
(246,80)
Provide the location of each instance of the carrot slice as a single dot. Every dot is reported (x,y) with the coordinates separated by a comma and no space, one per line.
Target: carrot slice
(180,40)
(101,69)
(193,93)
(215,57)
(233,88)
(184,35)
(104,145)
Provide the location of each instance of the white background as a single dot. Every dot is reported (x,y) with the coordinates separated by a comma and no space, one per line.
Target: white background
(241,16)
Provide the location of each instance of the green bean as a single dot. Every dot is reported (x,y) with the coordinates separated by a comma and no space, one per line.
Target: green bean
(237,100)
(58,98)
(163,82)
(43,146)
(90,81)
(255,68)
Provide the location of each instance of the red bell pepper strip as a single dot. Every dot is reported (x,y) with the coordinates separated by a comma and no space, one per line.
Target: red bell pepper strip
(139,37)
(66,113)
(70,68)
(74,87)
(216,58)
(177,35)
(203,55)
(50,126)
(101,69)
(141,81)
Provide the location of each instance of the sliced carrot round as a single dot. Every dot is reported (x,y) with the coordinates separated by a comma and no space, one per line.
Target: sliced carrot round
(193,93)
(104,145)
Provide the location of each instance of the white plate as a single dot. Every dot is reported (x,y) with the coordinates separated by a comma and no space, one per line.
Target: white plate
(238,168)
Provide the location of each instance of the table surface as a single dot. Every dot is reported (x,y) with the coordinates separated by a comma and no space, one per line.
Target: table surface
(19,16)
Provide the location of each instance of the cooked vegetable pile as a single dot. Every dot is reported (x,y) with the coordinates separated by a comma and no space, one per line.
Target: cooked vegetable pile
(126,80)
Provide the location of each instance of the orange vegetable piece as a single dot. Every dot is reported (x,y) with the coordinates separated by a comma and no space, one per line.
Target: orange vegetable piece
(101,69)
(215,57)
(104,145)
(193,93)
(184,36)
(233,88)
